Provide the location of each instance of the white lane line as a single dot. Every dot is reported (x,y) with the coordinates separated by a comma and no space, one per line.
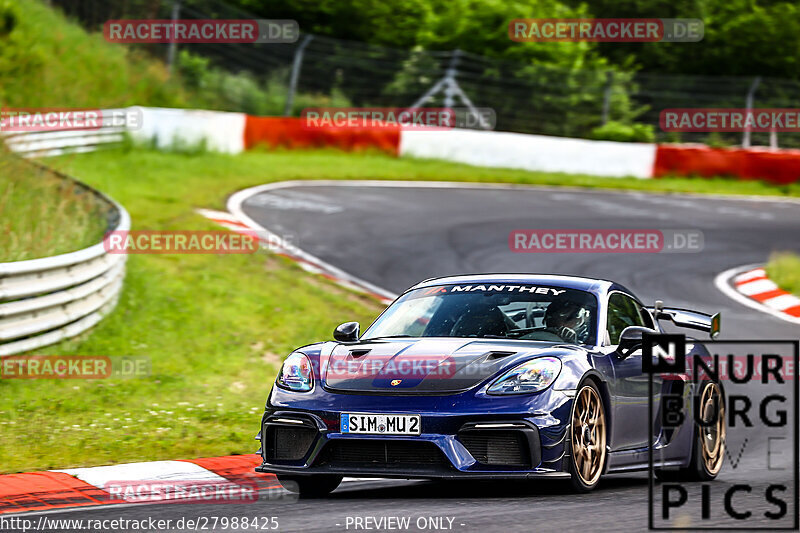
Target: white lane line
(275,201)
(723,283)
(235,203)
(512,186)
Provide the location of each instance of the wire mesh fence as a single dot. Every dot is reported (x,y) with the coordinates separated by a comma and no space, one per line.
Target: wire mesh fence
(526,97)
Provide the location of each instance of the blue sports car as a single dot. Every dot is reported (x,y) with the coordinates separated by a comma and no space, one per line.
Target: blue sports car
(489,377)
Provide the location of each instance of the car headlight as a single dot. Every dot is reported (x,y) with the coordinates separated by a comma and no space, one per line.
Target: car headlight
(297,373)
(532,376)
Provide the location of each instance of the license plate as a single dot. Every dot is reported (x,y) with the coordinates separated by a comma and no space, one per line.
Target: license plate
(375,424)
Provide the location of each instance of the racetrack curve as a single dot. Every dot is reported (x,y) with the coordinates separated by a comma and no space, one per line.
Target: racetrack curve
(395,236)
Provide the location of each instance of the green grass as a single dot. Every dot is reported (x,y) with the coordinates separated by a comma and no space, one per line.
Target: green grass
(784,269)
(214,327)
(41,214)
(47,61)
(157,174)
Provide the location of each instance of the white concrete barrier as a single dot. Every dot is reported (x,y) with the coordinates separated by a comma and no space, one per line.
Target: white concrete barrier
(173,128)
(531,152)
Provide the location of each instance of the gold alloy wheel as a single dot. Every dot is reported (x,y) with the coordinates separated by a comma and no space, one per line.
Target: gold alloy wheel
(588,435)
(713,447)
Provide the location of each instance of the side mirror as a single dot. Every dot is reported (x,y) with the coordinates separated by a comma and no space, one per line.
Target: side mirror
(347,332)
(631,339)
(714,329)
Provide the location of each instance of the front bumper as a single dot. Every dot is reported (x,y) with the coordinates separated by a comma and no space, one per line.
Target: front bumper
(462,437)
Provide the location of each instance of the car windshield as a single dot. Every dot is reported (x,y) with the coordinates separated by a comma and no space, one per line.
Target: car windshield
(527,312)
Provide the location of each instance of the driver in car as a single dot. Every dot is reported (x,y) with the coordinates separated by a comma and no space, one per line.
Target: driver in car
(568,319)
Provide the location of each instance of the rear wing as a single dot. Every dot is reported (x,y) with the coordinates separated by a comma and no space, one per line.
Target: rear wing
(686,318)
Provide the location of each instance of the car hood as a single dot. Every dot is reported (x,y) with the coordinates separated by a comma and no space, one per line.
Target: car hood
(426,365)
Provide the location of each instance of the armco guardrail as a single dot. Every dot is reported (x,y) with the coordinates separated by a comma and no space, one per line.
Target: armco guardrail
(51,143)
(44,142)
(43,301)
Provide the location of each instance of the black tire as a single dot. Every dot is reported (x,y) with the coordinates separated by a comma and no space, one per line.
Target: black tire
(708,454)
(592,439)
(313,486)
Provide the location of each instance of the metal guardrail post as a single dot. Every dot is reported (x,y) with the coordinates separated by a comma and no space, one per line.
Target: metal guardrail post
(176,8)
(749,107)
(607,96)
(297,64)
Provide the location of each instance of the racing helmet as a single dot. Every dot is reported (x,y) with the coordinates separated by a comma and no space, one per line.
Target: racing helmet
(562,311)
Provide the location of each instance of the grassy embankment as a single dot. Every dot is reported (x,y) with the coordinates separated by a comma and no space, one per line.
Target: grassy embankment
(42,215)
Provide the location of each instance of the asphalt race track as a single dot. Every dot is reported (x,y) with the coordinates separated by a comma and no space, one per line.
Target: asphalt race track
(396,236)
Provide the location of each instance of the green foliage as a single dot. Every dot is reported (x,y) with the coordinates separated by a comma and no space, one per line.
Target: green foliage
(784,269)
(617,131)
(742,37)
(215,88)
(47,61)
(716,140)
(477,26)
(9,15)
